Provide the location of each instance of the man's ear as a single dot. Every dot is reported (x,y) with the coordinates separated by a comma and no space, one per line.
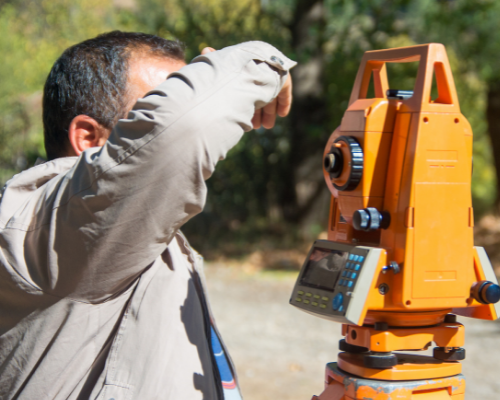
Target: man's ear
(85,132)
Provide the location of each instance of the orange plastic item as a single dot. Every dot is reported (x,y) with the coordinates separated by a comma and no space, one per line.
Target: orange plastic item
(417,159)
(340,385)
(415,155)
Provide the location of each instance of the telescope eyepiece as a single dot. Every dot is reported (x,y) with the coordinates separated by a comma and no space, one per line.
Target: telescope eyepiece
(334,162)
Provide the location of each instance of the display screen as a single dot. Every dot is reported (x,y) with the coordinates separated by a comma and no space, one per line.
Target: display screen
(323,268)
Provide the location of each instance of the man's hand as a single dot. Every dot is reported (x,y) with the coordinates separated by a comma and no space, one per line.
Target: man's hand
(280,105)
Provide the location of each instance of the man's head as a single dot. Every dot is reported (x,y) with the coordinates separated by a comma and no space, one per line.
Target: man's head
(96,82)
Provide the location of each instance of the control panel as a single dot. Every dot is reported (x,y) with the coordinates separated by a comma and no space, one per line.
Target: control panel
(335,280)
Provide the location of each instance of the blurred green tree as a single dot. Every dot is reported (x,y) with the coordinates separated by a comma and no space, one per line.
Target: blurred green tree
(32,35)
(271,181)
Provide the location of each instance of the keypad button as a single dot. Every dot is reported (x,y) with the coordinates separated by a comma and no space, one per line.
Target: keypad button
(353,275)
(314,304)
(300,292)
(337,301)
(344,274)
(341,308)
(324,298)
(357,267)
(350,284)
(322,306)
(356,258)
(341,283)
(351,256)
(361,259)
(308,294)
(348,265)
(316,296)
(345,283)
(298,299)
(306,301)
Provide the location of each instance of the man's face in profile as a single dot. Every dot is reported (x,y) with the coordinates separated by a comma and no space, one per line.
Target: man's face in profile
(145,72)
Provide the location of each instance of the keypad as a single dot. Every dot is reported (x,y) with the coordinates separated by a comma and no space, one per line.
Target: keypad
(309,299)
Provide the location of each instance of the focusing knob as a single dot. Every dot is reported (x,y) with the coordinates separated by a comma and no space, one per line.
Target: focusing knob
(370,219)
(486,292)
(345,158)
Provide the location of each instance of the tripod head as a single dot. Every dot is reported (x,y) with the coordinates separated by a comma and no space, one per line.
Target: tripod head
(400,245)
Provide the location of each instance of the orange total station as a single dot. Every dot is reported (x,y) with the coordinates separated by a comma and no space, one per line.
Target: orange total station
(400,261)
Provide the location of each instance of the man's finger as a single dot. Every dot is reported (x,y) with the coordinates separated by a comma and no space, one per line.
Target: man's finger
(285,98)
(269,114)
(257,119)
(207,50)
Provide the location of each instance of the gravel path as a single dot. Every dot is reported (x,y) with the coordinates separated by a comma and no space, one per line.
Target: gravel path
(281,352)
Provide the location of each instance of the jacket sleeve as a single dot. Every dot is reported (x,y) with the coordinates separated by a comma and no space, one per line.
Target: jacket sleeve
(95,229)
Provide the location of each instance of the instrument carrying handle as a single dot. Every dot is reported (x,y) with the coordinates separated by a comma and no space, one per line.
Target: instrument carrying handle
(433,61)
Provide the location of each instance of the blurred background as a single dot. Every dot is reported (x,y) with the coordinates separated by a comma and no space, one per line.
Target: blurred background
(268,195)
(267,201)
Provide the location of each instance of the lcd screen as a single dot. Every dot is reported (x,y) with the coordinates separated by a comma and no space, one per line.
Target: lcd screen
(323,268)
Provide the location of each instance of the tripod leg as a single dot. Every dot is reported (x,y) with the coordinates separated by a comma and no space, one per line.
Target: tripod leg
(334,391)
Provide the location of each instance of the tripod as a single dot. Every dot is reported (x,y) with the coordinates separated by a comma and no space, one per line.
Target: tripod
(392,376)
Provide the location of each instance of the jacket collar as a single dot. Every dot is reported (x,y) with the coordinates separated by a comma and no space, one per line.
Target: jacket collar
(21,186)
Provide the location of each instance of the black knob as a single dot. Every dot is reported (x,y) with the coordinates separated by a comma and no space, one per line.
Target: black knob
(486,292)
(370,219)
(450,318)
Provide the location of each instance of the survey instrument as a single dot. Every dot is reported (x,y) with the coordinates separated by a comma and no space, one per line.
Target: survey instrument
(399,263)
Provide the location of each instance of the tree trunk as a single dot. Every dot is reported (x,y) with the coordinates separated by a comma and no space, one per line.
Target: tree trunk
(309,103)
(493,117)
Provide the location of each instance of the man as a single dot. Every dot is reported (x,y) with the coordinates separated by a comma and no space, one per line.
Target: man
(101,297)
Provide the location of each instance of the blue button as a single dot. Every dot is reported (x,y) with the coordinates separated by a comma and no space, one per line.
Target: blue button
(361,259)
(353,275)
(350,284)
(344,274)
(351,256)
(345,282)
(341,308)
(341,283)
(357,267)
(348,265)
(337,301)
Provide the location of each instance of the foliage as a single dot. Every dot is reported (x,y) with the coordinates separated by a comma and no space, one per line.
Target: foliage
(271,182)
(32,35)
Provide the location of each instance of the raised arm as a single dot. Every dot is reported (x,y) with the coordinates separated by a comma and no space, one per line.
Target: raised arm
(101,224)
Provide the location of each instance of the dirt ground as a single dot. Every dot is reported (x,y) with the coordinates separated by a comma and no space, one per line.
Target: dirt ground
(281,352)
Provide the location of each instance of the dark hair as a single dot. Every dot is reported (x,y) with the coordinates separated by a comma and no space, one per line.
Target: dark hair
(90,78)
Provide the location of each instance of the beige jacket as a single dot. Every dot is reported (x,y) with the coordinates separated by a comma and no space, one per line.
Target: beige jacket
(100,296)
